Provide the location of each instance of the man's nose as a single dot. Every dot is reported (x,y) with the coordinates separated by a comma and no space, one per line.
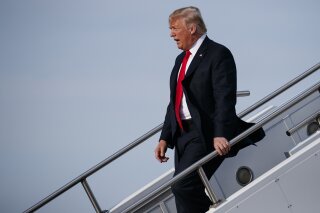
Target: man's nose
(171,33)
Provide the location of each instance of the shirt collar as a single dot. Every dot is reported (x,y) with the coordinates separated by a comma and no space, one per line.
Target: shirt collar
(197,44)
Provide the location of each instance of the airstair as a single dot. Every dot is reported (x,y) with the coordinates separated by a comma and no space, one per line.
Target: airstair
(279,174)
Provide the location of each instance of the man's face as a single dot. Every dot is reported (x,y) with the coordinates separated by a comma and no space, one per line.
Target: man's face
(181,34)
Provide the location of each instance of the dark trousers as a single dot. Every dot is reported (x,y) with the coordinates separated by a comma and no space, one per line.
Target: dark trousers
(189,193)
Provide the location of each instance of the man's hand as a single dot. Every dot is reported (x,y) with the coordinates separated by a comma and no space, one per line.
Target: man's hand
(160,151)
(221,145)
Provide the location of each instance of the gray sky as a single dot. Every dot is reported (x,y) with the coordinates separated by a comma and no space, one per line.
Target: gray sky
(81,79)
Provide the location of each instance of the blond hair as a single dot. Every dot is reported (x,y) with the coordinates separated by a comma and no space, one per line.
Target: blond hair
(190,15)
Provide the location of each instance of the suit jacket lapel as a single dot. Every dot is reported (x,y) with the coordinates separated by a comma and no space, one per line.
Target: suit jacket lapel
(197,58)
(192,67)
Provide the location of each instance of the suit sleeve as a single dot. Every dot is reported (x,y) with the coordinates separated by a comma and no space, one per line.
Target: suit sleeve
(224,84)
(166,133)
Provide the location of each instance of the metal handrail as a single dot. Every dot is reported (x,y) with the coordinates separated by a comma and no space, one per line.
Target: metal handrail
(99,166)
(146,136)
(94,169)
(279,90)
(234,141)
(303,123)
(243,93)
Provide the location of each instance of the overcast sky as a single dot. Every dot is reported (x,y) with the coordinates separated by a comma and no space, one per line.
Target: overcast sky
(81,79)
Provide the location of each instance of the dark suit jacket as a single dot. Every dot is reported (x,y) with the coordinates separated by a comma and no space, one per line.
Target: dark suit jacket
(210,88)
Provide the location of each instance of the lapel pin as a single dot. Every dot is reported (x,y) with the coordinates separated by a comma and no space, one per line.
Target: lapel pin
(200,55)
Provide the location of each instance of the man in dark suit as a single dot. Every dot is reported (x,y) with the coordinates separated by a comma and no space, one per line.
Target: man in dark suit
(201,115)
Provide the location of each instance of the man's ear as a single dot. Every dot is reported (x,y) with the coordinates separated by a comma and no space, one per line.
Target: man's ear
(193,29)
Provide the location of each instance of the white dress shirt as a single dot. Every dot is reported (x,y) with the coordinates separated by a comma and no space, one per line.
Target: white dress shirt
(184,111)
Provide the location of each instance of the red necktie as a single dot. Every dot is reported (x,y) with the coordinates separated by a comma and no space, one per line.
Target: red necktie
(179,89)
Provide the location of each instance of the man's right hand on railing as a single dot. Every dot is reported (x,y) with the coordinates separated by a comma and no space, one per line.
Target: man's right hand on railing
(160,151)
